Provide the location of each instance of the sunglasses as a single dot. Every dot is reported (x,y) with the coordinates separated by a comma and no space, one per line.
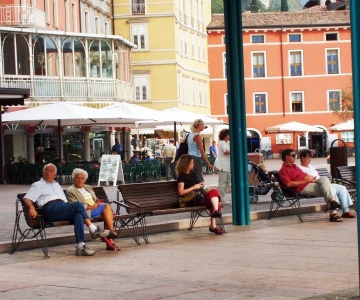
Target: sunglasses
(293,155)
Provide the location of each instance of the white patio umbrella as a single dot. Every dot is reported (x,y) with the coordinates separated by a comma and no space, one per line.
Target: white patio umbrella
(344,126)
(293,127)
(138,112)
(65,114)
(175,116)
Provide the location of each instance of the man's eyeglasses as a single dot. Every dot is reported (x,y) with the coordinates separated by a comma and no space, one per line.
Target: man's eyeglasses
(293,155)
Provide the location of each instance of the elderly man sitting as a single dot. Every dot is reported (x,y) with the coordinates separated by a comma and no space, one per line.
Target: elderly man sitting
(50,197)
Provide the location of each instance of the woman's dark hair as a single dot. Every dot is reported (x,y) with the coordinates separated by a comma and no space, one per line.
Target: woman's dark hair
(183,163)
(305,153)
(223,134)
(285,153)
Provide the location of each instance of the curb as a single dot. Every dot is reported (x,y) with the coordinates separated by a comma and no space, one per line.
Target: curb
(164,227)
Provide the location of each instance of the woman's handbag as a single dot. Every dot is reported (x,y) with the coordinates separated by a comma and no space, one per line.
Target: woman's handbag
(193,198)
(183,149)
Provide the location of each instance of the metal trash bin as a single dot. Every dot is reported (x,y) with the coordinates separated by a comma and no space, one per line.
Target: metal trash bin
(338,157)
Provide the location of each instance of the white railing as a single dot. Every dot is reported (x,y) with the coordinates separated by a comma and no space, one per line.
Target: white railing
(53,89)
(21,16)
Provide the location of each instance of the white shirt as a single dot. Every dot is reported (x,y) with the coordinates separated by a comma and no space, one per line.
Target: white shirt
(310,170)
(42,192)
(222,161)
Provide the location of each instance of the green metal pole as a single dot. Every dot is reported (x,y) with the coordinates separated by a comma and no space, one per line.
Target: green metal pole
(237,112)
(355,35)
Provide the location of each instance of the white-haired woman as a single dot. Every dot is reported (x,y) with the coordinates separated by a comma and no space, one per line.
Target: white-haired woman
(79,191)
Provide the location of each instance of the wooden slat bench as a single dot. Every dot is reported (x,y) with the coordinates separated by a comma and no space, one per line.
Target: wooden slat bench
(36,228)
(345,175)
(159,198)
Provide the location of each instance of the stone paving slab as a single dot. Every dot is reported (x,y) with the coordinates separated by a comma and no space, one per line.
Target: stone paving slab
(277,259)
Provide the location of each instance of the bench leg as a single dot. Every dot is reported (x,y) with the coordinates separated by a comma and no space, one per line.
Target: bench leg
(293,203)
(19,235)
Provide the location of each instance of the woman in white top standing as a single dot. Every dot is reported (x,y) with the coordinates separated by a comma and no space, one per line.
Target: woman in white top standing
(222,163)
(196,148)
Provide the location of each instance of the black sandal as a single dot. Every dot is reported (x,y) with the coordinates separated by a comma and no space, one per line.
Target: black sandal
(335,218)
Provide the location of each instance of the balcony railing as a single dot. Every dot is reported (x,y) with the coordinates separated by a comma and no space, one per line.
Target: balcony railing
(21,16)
(53,89)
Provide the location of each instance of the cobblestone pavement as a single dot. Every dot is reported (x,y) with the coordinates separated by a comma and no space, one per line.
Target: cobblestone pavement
(280,259)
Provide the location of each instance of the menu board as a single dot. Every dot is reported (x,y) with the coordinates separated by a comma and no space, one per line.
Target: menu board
(111,169)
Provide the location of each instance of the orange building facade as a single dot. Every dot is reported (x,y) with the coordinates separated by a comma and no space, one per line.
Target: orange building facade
(296,66)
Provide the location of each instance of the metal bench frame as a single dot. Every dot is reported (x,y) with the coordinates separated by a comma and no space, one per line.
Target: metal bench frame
(159,198)
(36,228)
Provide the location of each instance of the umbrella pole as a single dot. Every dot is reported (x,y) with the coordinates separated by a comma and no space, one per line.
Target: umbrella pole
(175,135)
(59,140)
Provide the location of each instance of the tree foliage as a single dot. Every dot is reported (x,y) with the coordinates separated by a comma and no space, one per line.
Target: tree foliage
(347,104)
(217,6)
(284,5)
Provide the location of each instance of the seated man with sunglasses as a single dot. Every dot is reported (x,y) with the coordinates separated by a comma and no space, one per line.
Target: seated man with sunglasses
(293,177)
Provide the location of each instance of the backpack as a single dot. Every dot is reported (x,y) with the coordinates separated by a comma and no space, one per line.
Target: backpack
(183,149)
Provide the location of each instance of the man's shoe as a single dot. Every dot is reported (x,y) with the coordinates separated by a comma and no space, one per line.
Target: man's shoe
(112,235)
(84,251)
(348,215)
(334,205)
(99,233)
(335,218)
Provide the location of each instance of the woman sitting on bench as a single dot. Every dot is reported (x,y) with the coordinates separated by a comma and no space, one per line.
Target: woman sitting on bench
(188,181)
(339,191)
(79,191)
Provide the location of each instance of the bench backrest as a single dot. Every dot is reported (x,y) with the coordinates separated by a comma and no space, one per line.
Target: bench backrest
(150,196)
(323,172)
(346,173)
(34,223)
(287,191)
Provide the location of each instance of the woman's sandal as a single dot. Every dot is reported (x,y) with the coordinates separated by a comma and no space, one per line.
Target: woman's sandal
(116,248)
(216,230)
(335,218)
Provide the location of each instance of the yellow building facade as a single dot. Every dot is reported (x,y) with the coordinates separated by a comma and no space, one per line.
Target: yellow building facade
(170,63)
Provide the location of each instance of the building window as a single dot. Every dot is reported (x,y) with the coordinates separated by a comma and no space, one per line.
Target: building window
(334,100)
(97,25)
(47,13)
(258,60)
(139,36)
(87,22)
(332,60)
(141,85)
(297,102)
(260,103)
(331,37)
(295,63)
(138,7)
(257,39)
(223,39)
(347,136)
(74,20)
(185,44)
(225,70)
(294,38)
(56,14)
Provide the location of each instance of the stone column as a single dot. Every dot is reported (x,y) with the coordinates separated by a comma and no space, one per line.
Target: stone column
(30,148)
(86,132)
